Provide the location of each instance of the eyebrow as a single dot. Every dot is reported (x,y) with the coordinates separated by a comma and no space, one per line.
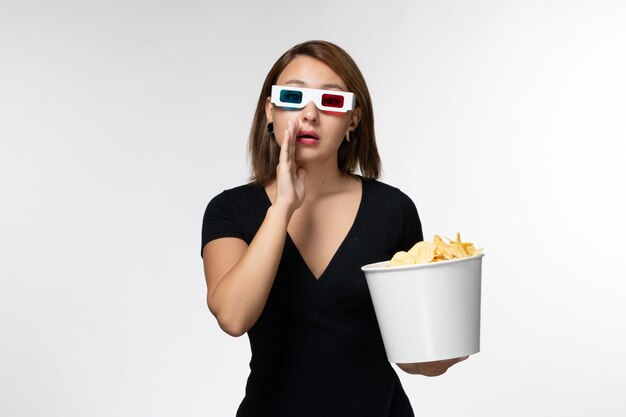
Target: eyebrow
(324,87)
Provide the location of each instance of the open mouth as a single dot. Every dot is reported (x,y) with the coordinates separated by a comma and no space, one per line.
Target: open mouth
(307,137)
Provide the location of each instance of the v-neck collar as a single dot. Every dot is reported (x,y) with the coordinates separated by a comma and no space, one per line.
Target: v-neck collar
(343,243)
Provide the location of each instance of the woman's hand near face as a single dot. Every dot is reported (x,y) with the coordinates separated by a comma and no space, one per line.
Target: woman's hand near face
(434,368)
(290,189)
(240,276)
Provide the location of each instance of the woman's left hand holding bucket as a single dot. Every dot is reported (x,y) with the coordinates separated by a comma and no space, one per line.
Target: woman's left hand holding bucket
(434,368)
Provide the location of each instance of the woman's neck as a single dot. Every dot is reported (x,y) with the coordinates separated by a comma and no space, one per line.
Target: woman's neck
(322,180)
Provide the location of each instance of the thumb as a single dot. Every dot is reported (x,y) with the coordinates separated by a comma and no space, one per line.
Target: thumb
(300,174)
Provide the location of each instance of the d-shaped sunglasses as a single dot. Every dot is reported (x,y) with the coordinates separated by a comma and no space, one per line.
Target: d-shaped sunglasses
(297,98)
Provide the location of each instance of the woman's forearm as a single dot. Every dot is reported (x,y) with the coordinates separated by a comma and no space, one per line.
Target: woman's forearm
(239,297)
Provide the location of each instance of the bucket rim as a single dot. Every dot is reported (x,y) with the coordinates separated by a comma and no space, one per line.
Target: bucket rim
(383,266)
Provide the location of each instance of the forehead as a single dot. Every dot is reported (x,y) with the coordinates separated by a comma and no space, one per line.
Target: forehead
(305,71)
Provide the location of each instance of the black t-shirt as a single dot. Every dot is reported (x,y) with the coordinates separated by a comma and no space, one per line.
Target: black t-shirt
(316,348)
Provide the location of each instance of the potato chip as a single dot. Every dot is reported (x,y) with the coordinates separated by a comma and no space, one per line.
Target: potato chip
(423,252)
(402,258)
(471,250)
(440,246)
(457,250)
(437,251)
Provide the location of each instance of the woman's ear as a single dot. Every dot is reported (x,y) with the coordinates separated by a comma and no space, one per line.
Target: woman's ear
(355,118)
(269,110)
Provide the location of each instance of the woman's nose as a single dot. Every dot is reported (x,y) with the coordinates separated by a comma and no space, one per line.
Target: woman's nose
(309,113)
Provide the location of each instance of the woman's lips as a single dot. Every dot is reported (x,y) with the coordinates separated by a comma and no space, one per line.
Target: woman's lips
(307,137)
(307,141)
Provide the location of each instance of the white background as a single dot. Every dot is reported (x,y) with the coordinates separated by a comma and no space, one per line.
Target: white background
(119,120)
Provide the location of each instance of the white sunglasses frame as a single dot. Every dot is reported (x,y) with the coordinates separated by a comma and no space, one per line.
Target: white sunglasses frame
(314,95)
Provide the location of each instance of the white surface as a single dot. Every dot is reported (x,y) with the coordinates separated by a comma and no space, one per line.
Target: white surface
(427,312)
(503,120)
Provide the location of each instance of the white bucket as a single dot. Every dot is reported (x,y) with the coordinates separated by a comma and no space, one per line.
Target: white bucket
(427,312)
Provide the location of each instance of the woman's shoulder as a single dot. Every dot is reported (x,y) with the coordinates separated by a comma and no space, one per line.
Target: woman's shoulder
(240,192)
(392,213)
(389,198)
(237,211)
(383,189)
(242,189)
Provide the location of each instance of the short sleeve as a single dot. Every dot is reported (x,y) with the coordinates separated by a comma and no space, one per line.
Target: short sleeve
(411,226)
(220,221)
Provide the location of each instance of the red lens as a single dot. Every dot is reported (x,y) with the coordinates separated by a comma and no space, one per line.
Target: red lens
(332,100)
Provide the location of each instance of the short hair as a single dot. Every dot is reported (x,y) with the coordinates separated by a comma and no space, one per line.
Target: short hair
(361,152)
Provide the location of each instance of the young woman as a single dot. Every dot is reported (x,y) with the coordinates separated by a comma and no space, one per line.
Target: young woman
(282,254)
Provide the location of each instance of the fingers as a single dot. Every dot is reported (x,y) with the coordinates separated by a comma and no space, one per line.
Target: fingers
(288,142)
(449,362)
(457,360)
(284,150)
(300,175)
(287,147)
(434,368)
(293,132)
